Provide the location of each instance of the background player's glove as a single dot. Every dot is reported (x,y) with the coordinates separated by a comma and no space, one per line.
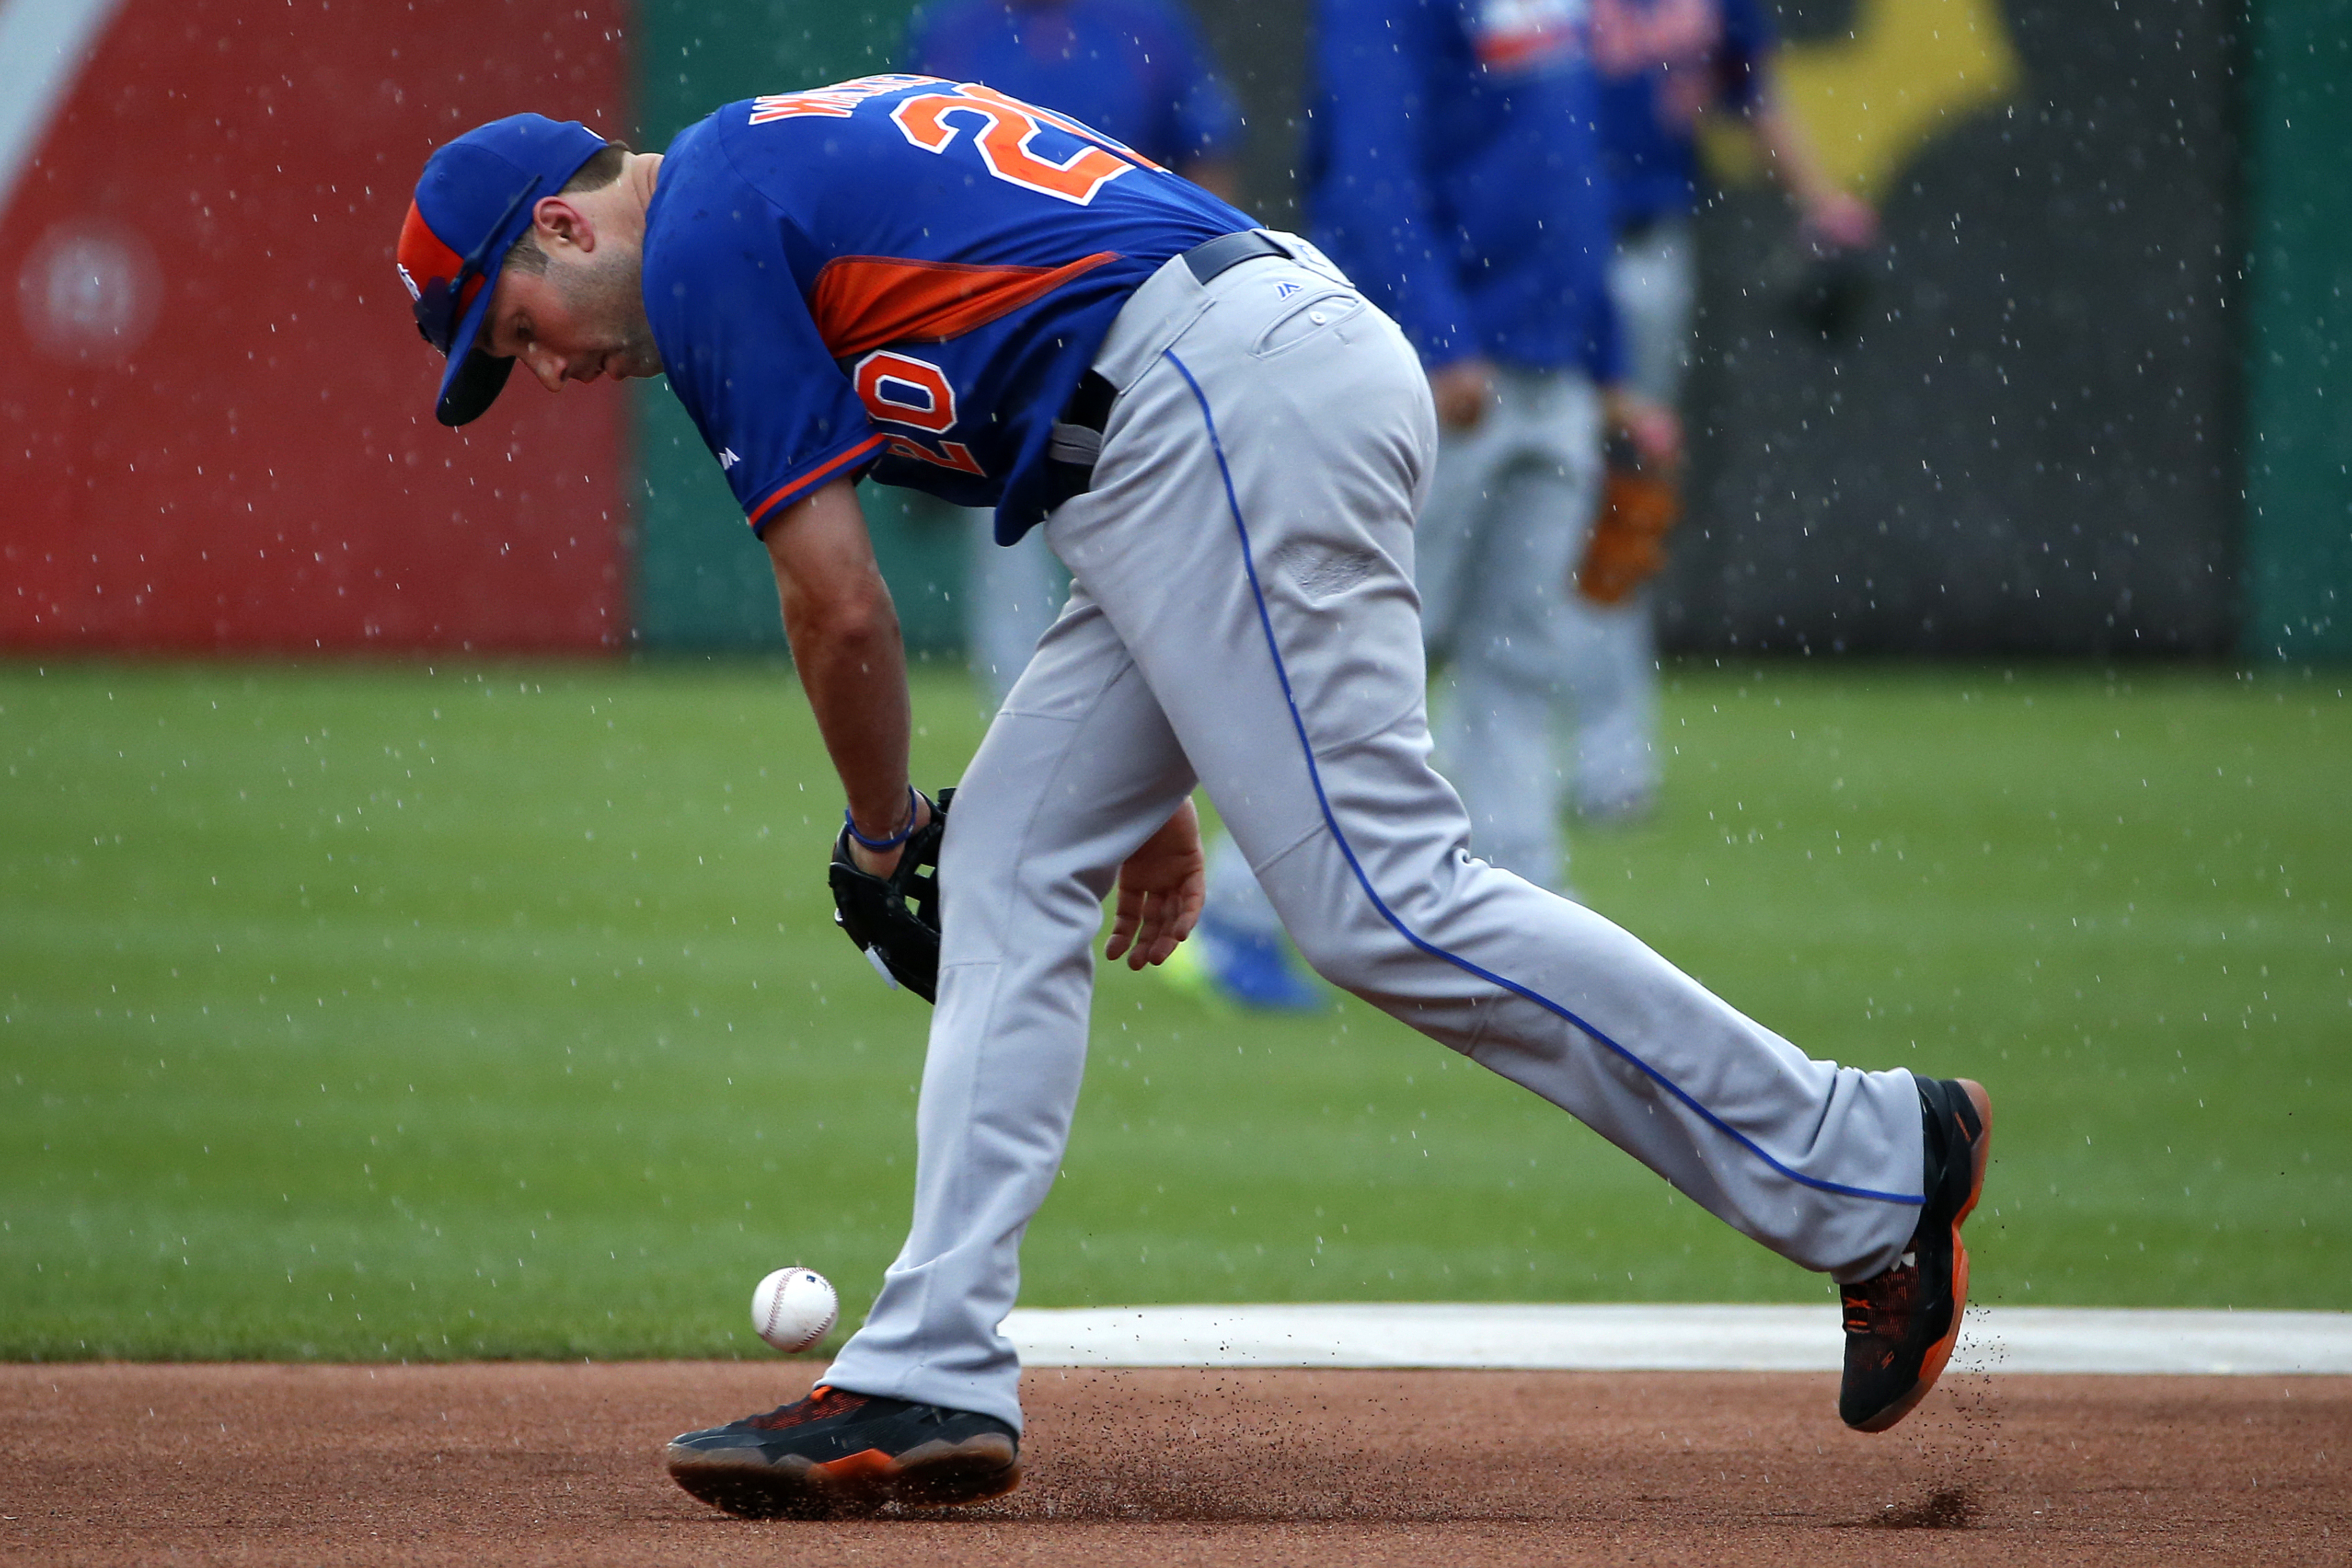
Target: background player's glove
(1639,504)
(1826,287)
(895,920)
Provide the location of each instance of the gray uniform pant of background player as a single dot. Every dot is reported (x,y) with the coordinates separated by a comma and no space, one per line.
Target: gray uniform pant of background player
(1011,594)
(1653,284)
(1528,659)
(1531,660)
(1243,614)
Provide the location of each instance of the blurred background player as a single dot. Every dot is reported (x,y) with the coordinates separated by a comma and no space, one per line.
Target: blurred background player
(1453,170)
(1663,64)
(1137,72)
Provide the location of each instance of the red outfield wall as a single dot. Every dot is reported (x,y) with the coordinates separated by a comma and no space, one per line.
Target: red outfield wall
(215,425)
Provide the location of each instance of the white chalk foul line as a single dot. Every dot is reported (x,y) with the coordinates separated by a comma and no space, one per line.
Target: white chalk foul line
(1652,1338)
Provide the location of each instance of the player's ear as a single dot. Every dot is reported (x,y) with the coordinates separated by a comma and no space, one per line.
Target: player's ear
(556,220)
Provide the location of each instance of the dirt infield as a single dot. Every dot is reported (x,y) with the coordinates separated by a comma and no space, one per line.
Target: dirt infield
(530,1464)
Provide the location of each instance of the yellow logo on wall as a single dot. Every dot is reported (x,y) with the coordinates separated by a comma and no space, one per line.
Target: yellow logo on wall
(1907,72)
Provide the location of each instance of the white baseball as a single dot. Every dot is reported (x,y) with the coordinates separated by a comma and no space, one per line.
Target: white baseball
(794,1307)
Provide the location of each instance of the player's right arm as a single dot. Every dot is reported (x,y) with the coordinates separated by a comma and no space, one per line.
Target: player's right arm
(746,360)
(844,632)
(1834,213)
(1747,73)
(1204,128)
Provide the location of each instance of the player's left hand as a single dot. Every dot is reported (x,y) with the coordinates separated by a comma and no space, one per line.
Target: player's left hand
(1841,220)
(893,916)
(1160,889)
(1654,429)
(1463,392)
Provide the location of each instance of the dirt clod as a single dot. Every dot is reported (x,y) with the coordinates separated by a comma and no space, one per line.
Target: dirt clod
(1946,1507)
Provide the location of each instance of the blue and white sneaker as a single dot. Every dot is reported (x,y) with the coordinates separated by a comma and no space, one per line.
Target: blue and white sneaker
(1225,965)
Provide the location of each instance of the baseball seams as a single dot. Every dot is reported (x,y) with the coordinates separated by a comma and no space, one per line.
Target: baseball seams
(794,1307)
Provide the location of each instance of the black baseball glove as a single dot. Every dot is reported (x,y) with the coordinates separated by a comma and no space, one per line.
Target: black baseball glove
(1827,289)
(895,920)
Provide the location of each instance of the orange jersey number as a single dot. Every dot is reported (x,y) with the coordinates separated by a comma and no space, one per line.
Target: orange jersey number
(899,389)
(1007,127)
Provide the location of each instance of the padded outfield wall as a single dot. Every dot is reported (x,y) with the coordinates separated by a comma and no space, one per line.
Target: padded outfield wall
(2096,405)
(216,409)
(2032,445)
(702,581)
(2298,589)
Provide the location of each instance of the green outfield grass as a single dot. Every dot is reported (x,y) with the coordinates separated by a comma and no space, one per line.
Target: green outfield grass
(366,1012)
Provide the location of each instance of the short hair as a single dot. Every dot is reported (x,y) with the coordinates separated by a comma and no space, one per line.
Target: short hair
(603,167)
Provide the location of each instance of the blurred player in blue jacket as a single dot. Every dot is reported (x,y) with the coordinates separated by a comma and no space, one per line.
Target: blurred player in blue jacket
(1136,70)
(1453,170)
(1663,64)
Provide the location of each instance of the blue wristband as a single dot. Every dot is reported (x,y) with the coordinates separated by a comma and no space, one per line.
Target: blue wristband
(878,845)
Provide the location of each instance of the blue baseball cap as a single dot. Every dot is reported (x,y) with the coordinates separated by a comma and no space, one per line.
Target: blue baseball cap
(474,201)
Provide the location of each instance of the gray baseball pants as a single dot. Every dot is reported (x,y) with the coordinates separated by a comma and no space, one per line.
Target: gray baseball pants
(1243,617)
(1653,286)
(1011,594)
(1524,655)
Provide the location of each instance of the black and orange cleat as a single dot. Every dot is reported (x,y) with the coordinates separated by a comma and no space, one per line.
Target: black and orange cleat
(1901,1324)
(837,1453)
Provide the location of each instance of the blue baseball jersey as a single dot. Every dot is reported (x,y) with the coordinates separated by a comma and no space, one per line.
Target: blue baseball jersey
(1453,170)
(901,277)
(1661,63)
(1135,70)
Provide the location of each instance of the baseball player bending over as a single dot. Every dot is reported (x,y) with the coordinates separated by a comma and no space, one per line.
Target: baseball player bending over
(932,284)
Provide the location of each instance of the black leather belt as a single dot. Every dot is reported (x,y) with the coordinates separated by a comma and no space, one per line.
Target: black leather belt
(1227,251)
(1076,440)
(1076,436)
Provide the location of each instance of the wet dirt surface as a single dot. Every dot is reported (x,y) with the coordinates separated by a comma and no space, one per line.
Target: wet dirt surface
(544,1463)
